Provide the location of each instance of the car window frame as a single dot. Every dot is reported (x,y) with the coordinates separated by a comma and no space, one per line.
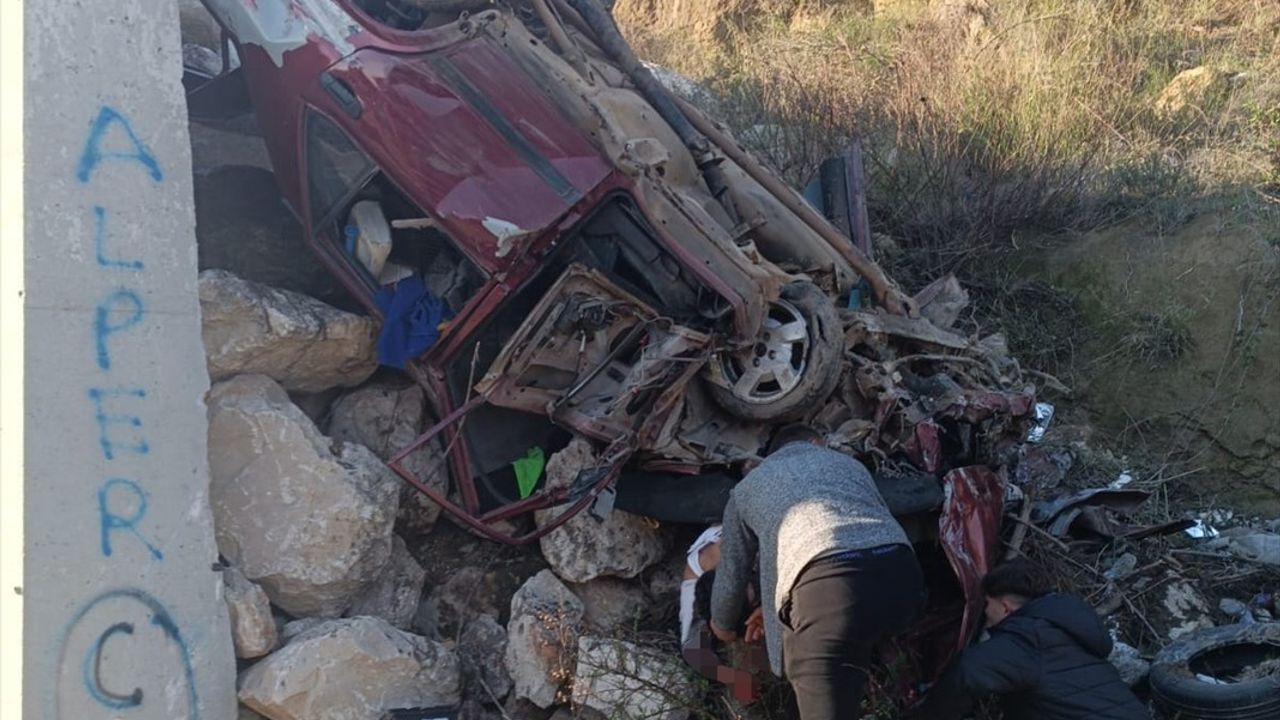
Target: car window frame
(310,113)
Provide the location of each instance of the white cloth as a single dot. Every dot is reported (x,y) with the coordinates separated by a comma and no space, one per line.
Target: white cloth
(709,536)
(686,608)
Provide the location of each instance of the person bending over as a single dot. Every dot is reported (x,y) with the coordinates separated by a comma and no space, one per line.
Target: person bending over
(1046,658)
(836,570)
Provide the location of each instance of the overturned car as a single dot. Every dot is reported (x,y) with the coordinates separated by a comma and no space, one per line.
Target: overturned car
(558,246)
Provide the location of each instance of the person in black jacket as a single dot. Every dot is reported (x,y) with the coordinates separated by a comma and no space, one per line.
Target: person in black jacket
(1046,659)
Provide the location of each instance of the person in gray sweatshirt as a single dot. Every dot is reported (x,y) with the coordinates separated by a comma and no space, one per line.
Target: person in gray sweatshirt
(837,572)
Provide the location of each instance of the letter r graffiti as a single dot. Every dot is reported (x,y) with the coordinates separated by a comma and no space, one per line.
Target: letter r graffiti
(110,521)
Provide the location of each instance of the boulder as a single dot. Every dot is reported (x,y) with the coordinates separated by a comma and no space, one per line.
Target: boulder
(624,680)
(542,637)
(611,604)
(1192,88)
(467,593)
(663,580)
(472,709)
(482,647)
(387,417)
(395,594)
(248,714)
(517,708)
(578,712)
(294,628)
(308,519)
(296,340)
(584,548)
(351,669)
(253,630)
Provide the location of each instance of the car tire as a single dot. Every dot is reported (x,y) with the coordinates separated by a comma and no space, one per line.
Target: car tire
(1220,652)
(815,358)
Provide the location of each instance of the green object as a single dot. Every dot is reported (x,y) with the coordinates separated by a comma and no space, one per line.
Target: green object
(528,470)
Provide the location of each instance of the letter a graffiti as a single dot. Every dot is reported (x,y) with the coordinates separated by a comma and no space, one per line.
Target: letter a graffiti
(94,152)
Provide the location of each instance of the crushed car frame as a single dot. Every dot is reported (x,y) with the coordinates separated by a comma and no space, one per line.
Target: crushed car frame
(600,259)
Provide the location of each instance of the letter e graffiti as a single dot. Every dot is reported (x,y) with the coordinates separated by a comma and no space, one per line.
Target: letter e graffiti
(110,521)
(99,397)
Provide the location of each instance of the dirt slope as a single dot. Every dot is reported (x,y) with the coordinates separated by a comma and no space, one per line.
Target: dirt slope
(1184,348)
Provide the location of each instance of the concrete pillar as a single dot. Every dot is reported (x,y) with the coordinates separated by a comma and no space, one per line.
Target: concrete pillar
(123,608)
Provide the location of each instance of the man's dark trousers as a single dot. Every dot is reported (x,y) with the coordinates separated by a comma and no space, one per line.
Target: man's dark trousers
(839,607)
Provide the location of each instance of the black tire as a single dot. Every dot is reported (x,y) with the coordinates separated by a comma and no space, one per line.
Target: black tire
(1220,652)
(821,359)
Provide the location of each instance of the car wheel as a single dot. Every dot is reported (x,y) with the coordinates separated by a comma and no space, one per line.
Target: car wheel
(1223,673)
(793,365)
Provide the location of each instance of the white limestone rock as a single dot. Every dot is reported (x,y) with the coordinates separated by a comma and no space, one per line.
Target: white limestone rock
(395,594)
(298,341)
(386,418)
(351,669)
(624,680)
(253,630)
(308,519)
(542,637)
(584,548)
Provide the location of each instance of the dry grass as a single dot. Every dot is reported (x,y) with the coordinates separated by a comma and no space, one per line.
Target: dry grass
(979,123)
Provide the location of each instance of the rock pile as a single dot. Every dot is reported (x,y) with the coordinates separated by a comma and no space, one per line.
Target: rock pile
(330,609)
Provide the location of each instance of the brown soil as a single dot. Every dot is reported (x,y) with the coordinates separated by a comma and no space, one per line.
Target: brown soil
(1182,351)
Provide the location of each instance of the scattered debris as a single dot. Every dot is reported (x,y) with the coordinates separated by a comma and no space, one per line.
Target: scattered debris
(1100,513)
(1231,669)
(1121,481)
(1201,530)
(1236,610)
(1255,545)
(1186,607)
(1123,567)
(1041,417)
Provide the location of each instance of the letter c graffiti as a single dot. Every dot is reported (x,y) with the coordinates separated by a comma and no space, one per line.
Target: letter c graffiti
(92,669)
(91,665)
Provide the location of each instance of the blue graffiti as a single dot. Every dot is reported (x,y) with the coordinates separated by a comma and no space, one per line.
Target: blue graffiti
(94,154)
(90,667)
(103,328)
(108,521)
(105,419)
(100,243)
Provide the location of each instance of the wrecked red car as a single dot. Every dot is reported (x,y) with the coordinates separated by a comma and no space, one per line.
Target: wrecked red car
(569,249)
